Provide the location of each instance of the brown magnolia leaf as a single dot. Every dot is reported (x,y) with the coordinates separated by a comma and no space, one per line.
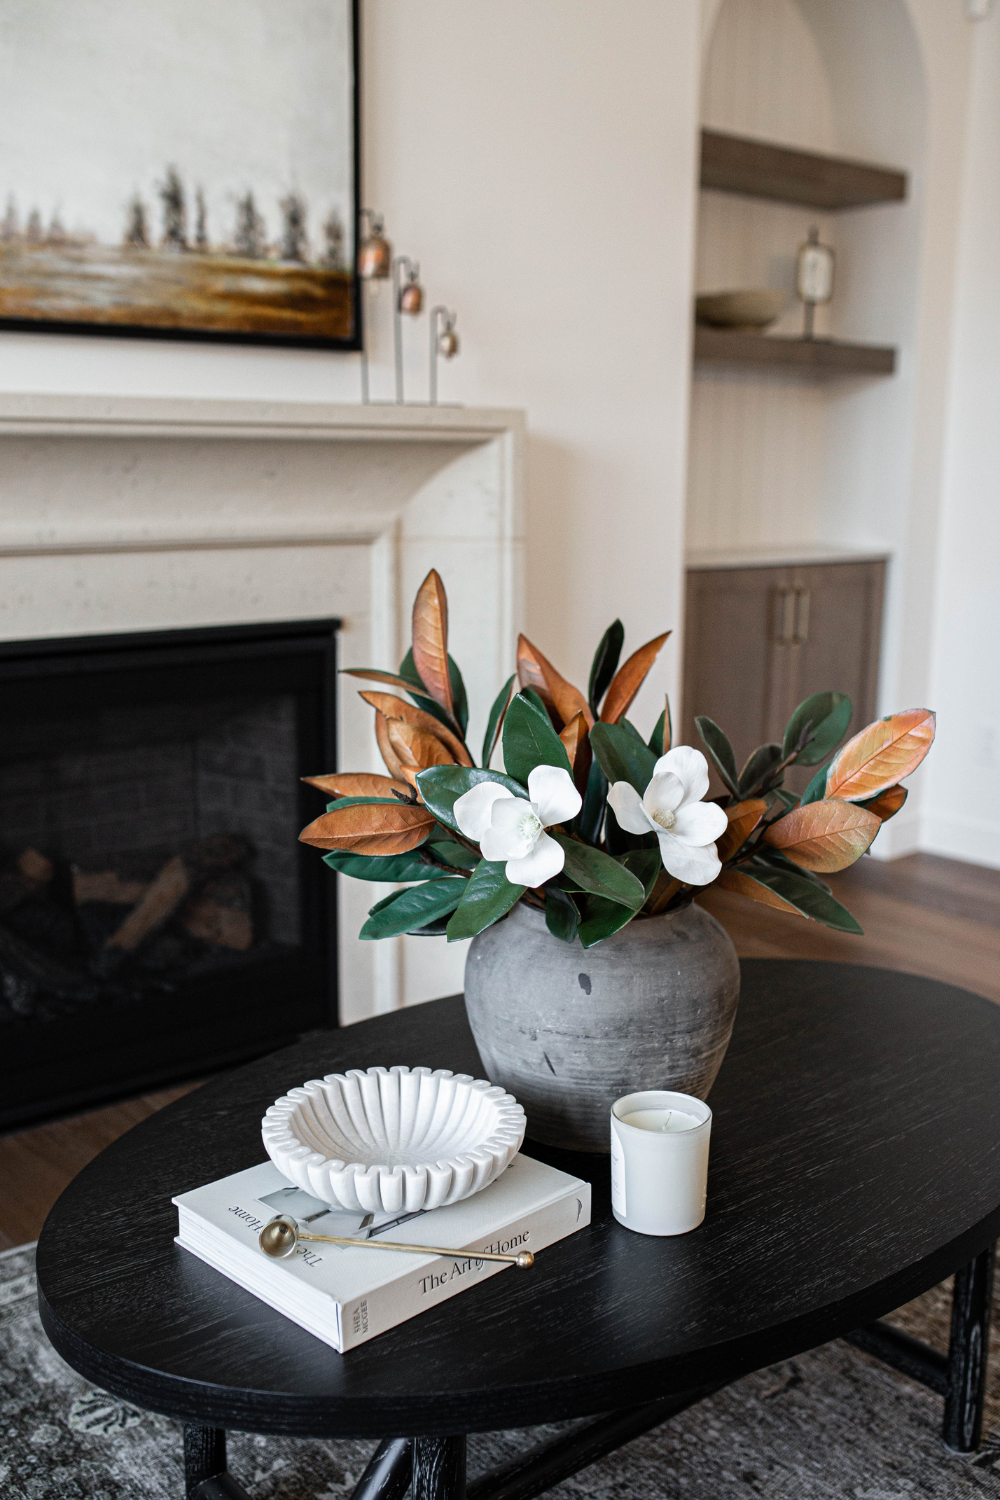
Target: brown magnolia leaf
(391,679)
(411,773)
(576,739)
(663,892)
(357,784)
(881,755)
(530,675)
(888,804)
(568,700)
(430,640)
(824,836)
(629,679)
(416,748)
(370,828)
(743,819)
(386,751)
(396,708)
(735,880)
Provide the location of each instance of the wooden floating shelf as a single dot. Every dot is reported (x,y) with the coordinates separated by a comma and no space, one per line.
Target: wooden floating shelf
(724,346)
(739,164)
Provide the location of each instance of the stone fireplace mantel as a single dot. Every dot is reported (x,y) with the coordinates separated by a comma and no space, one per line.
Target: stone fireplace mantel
(126,513)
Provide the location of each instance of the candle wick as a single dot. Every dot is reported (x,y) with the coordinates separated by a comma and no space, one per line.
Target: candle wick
(666,1122)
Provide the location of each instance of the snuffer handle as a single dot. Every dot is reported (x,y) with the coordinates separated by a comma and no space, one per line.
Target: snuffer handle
(280,1237)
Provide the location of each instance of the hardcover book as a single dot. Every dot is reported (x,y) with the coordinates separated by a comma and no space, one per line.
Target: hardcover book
(346,1295)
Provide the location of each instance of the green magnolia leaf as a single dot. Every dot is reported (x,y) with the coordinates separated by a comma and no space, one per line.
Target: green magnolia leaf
(821,721)
(630,728)
(529,740)
(622,755)
(764,854)
(488,895)
(816,790)
(644,865)
(619,841)
(387,867)
(423,699)
(599,874)
(437,928)
(535,699)
(656,738)
(493,723)
(441,786)
(404,911)
(803,894)
(605,663)
(777,795)
(408,671)
(758,769)
(561,916)
(720,751)
(459,696)
(340,802)
(455,855)
(595,802)
(600,918)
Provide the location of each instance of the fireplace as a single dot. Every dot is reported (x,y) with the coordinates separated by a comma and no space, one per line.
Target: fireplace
(158,918)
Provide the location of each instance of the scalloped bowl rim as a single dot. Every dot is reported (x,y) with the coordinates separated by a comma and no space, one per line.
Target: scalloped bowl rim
(315,1159)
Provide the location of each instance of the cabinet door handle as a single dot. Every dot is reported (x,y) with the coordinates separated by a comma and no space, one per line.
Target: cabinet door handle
(784,616)
(801,617)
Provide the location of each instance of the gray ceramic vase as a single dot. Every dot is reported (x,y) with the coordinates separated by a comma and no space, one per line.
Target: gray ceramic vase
(569,1030)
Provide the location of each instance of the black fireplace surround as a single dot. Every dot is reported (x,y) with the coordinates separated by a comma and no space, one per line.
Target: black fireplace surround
(158,918)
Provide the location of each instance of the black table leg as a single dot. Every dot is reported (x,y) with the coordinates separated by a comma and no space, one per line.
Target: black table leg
(439,1468)
(205,1474)
(967,1353)
(389,1471)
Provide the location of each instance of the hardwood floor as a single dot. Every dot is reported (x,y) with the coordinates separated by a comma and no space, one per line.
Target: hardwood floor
(36,1164)
(922,914)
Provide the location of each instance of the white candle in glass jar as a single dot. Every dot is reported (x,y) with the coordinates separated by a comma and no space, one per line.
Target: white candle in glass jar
(659,1161)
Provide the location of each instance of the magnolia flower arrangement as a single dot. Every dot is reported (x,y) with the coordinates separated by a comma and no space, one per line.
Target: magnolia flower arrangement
(588,820)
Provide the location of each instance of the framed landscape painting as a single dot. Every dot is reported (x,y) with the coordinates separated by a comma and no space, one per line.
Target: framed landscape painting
(180,169)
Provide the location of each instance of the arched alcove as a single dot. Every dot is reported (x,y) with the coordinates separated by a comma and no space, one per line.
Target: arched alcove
(780,459)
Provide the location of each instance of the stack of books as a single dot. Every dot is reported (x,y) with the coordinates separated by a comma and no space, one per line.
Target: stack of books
(346,1295)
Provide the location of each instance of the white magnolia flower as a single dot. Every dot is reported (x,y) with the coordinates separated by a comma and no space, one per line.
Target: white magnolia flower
(513,828)
(671,807)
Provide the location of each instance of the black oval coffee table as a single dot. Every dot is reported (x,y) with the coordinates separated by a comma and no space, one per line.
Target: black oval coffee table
(855,1163)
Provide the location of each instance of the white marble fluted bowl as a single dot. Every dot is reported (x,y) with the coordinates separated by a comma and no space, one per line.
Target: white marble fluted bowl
(393,1140)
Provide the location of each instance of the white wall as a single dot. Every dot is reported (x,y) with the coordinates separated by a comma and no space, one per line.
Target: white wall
(539,159)
(854,463)
(962,818)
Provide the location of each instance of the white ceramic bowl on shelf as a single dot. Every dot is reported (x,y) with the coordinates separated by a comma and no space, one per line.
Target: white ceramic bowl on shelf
(393,1140)
(749,309)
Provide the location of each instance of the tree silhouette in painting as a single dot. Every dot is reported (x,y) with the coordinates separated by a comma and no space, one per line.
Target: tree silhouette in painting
(171,192)
(250,237)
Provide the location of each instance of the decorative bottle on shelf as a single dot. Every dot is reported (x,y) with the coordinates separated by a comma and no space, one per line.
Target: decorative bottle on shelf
(814,277)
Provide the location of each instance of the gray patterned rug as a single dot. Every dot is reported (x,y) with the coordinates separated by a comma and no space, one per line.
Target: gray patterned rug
(829,1424)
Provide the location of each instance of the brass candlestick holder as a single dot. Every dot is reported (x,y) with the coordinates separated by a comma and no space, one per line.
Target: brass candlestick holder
(282,1235)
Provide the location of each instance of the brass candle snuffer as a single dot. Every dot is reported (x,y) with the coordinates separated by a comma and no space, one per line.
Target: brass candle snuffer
(282,1235)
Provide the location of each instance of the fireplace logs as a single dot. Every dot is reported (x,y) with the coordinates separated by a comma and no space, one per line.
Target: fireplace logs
(67,933)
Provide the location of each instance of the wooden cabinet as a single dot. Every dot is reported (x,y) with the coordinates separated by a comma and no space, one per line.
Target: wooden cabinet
(760,639)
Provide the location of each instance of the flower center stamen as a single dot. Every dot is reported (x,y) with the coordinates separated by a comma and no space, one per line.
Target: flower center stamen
(529,826)
(666,820)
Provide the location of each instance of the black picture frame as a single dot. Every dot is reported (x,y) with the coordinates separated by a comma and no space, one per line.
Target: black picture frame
(351,342)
